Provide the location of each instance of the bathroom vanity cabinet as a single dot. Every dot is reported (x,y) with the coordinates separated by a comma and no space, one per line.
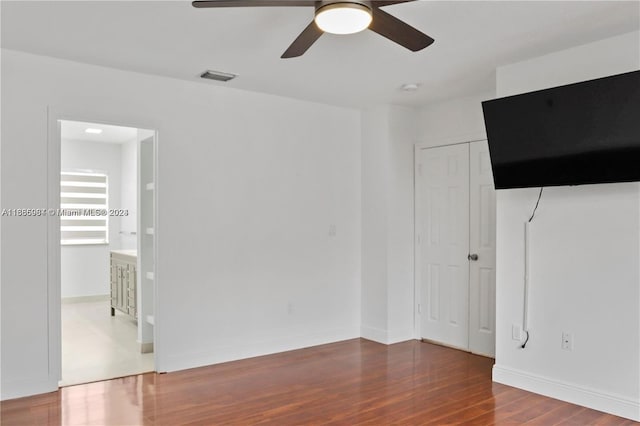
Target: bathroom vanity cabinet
(124,282)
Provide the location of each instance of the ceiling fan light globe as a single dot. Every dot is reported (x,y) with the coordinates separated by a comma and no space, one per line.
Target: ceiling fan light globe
(343,18)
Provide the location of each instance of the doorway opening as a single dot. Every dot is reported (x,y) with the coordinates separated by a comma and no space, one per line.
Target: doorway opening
(107,250)
(455,225)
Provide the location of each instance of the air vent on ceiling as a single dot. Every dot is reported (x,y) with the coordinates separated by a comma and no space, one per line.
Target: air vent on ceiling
(217,75)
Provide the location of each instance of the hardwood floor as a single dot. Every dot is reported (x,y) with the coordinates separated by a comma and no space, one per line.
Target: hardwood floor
(351,382)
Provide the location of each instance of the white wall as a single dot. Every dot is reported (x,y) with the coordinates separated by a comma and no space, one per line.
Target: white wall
(585,270)
(248,188)
(400,232)
(129,194)
(375,131)
(453,121)
(388,137)
(85,268)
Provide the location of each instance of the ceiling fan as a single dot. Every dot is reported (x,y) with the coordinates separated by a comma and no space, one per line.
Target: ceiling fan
(339,17)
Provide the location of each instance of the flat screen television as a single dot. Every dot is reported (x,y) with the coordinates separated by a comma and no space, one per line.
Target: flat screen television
(581,133)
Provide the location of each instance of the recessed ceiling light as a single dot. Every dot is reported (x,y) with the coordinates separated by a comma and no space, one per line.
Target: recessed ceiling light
(218,75)
(93,131)
(409,87)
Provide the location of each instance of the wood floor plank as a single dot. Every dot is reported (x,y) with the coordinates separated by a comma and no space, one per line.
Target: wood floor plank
(532,410)
(345,383)
(556,415)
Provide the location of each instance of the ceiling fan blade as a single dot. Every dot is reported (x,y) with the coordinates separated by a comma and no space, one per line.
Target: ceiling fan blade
(383,3)
(304,41)
(398,31)
(251,3)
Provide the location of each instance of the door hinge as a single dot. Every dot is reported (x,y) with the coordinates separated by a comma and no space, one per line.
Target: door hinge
(419,309)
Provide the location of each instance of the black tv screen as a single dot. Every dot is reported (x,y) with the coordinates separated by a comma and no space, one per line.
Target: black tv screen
(581,133)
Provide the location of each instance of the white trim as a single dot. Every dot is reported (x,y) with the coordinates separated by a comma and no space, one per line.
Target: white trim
(386,337)
(417,251)
(602,401)
(143,256)
(234,349)
(399,336)
(54,301)
(157,362)
(374,334)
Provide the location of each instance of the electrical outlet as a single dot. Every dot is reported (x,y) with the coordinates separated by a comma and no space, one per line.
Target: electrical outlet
(516,332)
(567,341)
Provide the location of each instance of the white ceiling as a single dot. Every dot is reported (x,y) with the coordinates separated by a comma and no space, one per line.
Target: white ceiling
(174,39)
(76,130)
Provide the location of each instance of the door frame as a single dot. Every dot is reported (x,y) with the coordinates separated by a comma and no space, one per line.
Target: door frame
(54,280)
(416,249)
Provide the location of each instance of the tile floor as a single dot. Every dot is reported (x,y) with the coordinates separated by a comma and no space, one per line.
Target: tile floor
(97,346)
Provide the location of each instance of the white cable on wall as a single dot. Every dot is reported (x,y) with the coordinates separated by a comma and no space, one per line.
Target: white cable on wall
(525,307)
(527,265)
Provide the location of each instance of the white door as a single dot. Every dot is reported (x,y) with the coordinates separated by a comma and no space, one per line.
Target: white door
(482,242)
(443,237)
(455,246)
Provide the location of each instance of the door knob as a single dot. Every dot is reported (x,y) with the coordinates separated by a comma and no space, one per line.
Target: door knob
(473,257)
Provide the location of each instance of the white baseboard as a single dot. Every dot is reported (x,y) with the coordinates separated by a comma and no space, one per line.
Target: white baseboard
(384,336)
(86,299)
(613,404)
(398,336)
(237,349)
(374,334)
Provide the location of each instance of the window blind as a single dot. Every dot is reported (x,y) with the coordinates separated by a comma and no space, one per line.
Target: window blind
(84,208)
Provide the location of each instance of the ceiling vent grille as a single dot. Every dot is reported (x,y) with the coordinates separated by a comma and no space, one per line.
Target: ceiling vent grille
(217,75)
